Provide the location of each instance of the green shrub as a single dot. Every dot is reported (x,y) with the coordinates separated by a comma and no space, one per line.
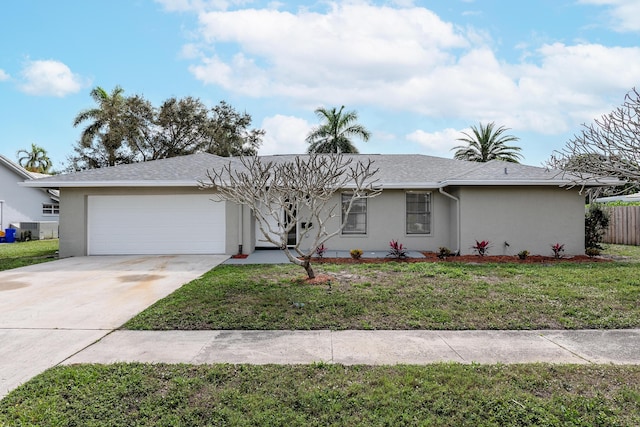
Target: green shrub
(592,252)
(596,221)
(444,252)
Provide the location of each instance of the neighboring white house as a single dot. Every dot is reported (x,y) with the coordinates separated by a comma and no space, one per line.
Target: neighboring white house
(427,202)
(635,197)
(20,204)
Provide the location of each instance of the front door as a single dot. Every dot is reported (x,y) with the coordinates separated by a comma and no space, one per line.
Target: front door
(292,235)
(285,219)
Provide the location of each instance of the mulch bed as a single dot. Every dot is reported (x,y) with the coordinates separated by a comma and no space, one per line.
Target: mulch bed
(432,257)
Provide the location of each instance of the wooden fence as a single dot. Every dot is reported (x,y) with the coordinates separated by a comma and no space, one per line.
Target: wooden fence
(624,225)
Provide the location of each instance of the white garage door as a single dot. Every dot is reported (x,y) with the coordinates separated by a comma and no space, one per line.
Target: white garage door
(166,224)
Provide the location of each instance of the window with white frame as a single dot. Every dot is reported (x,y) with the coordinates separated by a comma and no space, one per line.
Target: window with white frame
(418,208)
(356,221)
(50,209)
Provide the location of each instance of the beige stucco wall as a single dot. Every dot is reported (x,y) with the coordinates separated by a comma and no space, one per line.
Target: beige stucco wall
(386,216)
(528,218)
(73,221)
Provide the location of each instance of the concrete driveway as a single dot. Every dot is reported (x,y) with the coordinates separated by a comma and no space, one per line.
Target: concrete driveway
(50,311)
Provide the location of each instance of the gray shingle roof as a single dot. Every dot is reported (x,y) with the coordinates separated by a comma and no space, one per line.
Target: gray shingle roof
(398,169)
(394,170)
(500,171)
(183,170)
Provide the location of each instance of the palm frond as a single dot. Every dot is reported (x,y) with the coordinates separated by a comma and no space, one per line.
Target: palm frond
(487,143)
(335,133)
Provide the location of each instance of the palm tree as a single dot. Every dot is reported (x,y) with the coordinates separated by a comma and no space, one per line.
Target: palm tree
(34,160)
(334,136)
(488,143)
(107,127)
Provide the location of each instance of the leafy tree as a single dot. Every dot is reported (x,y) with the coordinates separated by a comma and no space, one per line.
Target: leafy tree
(131,129)
(300,190)
(34,160)
(608,148)
(488,143)
(186,126)
(334,135)
(228,133)
(177,128)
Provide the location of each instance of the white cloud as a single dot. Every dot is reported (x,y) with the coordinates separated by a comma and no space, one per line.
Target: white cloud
(190,51)
(436,143)
(284,135)
(50,78)
(192,5)
(573,83)
(3,75)
(351,47)
(624,13)
(240,74)
(199,5)
(408,59)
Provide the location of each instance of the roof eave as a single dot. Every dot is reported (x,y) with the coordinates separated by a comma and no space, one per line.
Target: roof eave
(401,186)
(527,182)
(104,184)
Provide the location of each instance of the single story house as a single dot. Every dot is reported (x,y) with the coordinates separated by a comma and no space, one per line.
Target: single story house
(427,202)
(20,204)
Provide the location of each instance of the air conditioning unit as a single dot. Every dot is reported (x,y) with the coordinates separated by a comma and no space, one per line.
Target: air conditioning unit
(39,230)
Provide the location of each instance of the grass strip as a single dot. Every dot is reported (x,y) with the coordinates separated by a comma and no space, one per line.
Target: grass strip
(322,395)
(21,254)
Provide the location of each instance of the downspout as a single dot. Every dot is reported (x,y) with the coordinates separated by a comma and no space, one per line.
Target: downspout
(240,228)
(444,193)
(1,215)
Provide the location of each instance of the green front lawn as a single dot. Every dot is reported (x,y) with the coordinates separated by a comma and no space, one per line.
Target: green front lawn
(380,296)
(20,254)
(441,296)
(322,395)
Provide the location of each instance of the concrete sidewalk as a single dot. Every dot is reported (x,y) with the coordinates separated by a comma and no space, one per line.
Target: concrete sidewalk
(365,347)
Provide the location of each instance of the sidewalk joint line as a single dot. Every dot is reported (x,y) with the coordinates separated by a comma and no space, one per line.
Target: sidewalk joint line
(331,344)
(579,356)
(450,347)
(86,347)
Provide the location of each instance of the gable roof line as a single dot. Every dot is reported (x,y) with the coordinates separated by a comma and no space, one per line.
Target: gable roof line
(54,194)
(17,168)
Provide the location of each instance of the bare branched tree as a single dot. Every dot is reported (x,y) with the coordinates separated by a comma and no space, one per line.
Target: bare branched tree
(287,194)
(608,148)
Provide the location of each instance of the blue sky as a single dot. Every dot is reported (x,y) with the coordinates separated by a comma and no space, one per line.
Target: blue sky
(417,72)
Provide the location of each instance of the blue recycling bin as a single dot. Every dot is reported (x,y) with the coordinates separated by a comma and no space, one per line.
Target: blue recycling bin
(10,235)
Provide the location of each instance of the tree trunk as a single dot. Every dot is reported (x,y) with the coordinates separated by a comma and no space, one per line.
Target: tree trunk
(308,268)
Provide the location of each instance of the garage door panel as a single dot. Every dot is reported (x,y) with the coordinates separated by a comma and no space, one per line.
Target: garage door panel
(152,224)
